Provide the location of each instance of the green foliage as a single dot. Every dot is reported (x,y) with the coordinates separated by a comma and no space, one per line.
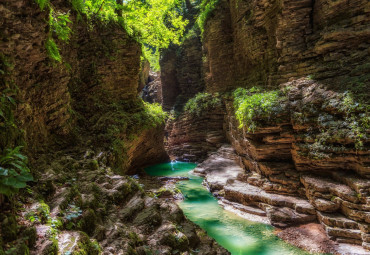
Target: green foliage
(53,50)
(42,3)
(119,123)
(254,103)
(153,57)
(201,103)
(154,23)
(59,25)
(78,5)
(8,128)
(206,8)
(14,173)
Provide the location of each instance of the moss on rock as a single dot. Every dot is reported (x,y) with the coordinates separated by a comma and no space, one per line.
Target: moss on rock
(9,228)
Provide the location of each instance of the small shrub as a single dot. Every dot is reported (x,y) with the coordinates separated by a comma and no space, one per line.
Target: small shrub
(250,104)
(201,103)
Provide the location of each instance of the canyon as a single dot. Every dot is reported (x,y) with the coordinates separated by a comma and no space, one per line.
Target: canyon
(88,135)
(307,50)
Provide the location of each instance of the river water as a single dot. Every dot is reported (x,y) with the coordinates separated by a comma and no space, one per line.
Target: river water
(237,235)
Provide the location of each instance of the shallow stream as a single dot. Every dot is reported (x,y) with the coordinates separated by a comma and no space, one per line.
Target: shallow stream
(237,235)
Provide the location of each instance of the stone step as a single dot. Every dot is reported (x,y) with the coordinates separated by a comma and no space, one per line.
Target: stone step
(243,193)
(245,208)
(337,220)
(348,240)
(343,233)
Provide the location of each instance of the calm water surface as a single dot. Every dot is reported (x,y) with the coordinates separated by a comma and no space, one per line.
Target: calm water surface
(237,235)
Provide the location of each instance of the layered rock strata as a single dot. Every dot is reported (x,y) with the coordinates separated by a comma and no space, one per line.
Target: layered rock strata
(152,91)
(191,138)
(269,42)
(228,181)
(99,70)
(334,188)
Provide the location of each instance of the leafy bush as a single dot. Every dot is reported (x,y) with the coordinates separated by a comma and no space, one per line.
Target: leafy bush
(14,173)
(250,104)
(153,23)
(201,103)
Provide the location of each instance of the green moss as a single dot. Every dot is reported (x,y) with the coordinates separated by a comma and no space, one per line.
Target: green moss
(88,221)
(120,122)
(135,240)
(53,50)
(93,165)
(30,236)
(52,248)
(206,9)
(86,247)
(9,228)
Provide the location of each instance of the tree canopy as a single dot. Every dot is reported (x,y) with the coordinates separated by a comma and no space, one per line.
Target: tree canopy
(154,23)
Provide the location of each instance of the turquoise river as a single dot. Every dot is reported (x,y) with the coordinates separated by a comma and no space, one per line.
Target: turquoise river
(237,235)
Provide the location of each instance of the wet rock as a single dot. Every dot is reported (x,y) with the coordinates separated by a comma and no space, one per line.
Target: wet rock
(49,247)
(149,218)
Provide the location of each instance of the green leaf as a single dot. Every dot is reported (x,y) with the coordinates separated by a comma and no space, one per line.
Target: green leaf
(26,177)
(3,171)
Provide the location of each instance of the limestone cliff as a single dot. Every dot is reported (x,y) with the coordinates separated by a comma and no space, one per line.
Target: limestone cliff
(83,123)
(62,101)
(306,163)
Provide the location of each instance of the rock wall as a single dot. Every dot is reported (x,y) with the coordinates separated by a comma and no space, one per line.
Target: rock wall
(191,138)
(181,72)
(43,85)
(68,102)
(276,162)
(306,165)
(266,43)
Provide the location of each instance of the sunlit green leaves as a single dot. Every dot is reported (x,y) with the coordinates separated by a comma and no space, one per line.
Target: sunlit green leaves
(59,25)
(250,104)
(206,8)
(155,22)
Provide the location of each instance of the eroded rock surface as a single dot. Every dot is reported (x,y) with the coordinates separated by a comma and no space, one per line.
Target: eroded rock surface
(93,211)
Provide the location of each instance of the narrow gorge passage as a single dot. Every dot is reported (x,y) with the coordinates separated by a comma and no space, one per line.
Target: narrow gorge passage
(238,235)
(268,102)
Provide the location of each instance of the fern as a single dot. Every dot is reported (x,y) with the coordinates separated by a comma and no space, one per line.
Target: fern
(42,3)
(59,24)
(14,173)
(53,50)
(78,5)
